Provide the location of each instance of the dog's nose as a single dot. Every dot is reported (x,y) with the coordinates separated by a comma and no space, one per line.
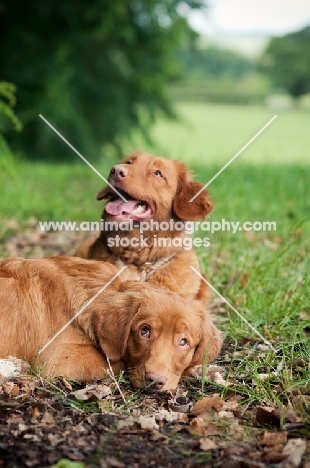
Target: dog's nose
(119,172)
(155,381)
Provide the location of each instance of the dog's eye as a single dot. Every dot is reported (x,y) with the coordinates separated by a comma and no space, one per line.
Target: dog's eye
(129,161)
(158,173)
(183,342)
(145,331)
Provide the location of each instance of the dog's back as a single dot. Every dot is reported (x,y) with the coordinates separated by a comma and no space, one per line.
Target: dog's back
(38,297)
(27,314)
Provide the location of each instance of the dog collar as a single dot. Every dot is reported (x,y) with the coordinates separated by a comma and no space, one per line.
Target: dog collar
(146,269)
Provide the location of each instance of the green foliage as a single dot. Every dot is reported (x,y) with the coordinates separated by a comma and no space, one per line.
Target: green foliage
(287,60)
(8,119)
(95,70)
(68,464)
(215,62)
(251,89)
(7,102)
(214,74)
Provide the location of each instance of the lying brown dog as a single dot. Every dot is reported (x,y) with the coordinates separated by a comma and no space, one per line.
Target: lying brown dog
(138,326)
(160,190)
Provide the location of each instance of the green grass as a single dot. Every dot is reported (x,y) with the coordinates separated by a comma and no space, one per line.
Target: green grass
(210,133)
(265,275)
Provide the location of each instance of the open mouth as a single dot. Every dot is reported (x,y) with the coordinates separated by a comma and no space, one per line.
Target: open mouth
(131,209)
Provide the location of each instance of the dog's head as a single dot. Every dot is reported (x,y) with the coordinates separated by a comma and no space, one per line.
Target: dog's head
(157,334)
(154,188)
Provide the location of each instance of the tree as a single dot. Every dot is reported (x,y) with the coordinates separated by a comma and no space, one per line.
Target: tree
(215,62)
(95,69)
(287,60)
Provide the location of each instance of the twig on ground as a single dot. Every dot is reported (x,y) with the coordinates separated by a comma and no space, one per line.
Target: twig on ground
(112,376)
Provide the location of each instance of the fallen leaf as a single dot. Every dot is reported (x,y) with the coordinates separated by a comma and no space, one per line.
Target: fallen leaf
(274,438)
(35,412)
(202,427)
(47,418)
(287,415)
(244,279)
(7,387)
(295,448)
(12,224)
(230,405)
(255,455)
(235,450)
(236,431)
(266,418)
(112,462)
(92,392)
(128,422)
(274,457)
(32,437)
(207,444)
(156,435)
(170,416)
(271,375)
(216,374)
(210,372)
(208,403)
(22,427)
(273,448)
(54,440)
(14,419)
(147,422)
(226,415)
(262,347)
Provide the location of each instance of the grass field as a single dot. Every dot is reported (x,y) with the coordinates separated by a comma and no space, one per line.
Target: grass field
(215,133)
(265,275)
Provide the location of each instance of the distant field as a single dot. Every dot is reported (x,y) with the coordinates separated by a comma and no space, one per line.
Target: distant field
(209,133)
(206,137)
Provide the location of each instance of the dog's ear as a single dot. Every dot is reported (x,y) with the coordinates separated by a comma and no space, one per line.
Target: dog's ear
(210,343)
(104,193)
(186,190)
(112,325)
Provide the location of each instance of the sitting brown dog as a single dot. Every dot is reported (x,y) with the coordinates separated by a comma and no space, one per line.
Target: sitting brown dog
(155,334)
(156,189)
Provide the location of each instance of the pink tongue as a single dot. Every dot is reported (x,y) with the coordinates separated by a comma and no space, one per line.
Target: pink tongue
(118,207)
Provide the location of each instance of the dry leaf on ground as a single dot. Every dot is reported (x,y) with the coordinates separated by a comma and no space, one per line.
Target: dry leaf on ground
(206,404)
(202,427)
(295,448)
(170,416)
(147,422)
(274,438)
(207,444)
(92,392)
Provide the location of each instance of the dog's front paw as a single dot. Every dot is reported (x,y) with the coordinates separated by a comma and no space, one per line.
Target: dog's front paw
(210,372)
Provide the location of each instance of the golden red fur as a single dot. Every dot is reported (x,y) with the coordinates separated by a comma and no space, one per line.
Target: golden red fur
(157,335)
(160,190)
